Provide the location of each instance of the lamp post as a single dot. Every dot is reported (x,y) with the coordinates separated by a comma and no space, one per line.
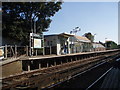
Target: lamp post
(30,38)
(35,17)
(105,43)
(74,31)
(94,34)
(93,48)
(94,37)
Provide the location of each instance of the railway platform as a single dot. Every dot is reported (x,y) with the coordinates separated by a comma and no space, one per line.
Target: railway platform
(51,69)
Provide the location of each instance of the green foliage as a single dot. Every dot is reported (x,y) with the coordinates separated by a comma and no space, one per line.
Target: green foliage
(18,18)
(119,46)
(89,36)
(111,45)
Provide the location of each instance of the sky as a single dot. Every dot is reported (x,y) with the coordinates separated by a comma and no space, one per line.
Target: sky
(100,18)
(119,23)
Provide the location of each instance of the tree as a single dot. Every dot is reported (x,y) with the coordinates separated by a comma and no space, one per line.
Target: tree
(19,17)
(119,46)
(111,45)
(89,36)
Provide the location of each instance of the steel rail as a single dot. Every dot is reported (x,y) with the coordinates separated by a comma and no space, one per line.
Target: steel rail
(74,76)
(77,75)
(99,78)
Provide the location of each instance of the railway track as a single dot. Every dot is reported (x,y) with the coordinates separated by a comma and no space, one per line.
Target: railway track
(89,79)
(100,78)
(103,80)
(53,75)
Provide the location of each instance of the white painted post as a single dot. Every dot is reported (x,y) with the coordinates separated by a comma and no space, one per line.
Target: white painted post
(36,52)
(39,65)
(5,51)
(47,64)
(54,63)
(10,51)
(15,50)
(71,59)
(30,46)
(43,46)
(67,60)
(50,50)
(61,61)
(27,50)
(43,51)
(28,67)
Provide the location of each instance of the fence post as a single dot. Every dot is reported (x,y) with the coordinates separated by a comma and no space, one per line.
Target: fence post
(30,47)
(43,46)
(12,51)
(5,51)
(43,51)
(15,50)
(39,65)
(27,50)
(50,50)
(28,67)
(36,52)
(55,63)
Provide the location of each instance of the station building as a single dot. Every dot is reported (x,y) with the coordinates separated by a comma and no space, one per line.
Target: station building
(98,47)
(66,44)
(59,43)
(80,44)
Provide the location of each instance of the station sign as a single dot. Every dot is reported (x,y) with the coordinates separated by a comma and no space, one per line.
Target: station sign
(36,35)
(37,43)
(1,53)
(37,40)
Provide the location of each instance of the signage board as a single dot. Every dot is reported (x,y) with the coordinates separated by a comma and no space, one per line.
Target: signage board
(37,43)
(36,35)
(36,40)
(1,53)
